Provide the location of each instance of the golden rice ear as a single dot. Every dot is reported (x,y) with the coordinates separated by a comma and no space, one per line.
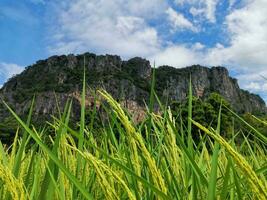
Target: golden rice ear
(256,184)
(105,171)
(130,131)
(12,185)
(138,139)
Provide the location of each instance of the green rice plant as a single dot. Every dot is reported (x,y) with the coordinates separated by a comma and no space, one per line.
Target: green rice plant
(214,164)
(155,159)
(257,185)
(13,186)
(138,139)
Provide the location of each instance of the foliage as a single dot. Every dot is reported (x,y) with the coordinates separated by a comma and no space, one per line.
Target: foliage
(8,129)
(258,123)
(206,111)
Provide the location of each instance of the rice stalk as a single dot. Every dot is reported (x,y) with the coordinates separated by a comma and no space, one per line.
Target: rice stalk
(12,185)
(156,175)
(256,184)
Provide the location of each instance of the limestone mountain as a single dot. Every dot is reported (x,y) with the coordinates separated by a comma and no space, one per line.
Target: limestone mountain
(60,77)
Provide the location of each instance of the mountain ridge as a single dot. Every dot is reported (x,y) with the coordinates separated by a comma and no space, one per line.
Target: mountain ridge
(126,80)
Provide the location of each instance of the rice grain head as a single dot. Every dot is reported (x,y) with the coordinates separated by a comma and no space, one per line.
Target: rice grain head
(11,184)
(256,184)
(155,172)
(105,173)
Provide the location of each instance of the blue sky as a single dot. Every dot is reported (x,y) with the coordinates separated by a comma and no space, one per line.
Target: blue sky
(230,33)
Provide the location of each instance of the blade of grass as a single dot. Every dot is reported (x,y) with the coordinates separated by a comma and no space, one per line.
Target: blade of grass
(256,184)
(260,135)
(46,188)
(236,181)
(151,99)
(82,125)
(213,176)
(122,166)
(23,143)
(52,156)
(226,179)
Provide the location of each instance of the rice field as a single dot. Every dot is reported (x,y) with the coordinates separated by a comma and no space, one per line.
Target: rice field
(155,159)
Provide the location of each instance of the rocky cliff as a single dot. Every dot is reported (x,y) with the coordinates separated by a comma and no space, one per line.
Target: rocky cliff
(60,77)
(175,84)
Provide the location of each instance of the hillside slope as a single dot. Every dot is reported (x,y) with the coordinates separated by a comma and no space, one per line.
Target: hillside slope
(60,77)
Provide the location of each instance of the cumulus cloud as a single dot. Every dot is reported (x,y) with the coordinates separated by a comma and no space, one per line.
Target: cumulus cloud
(7,70)
(195,12)
(117,27)
(178,21)
(247,29)
(201,8)
(231,4)
(177,56)
(211,10)
(254,81)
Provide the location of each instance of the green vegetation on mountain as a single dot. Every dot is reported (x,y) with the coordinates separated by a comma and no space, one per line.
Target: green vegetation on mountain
(206,112)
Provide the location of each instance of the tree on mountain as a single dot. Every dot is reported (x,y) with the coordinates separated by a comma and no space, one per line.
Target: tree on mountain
(205,112)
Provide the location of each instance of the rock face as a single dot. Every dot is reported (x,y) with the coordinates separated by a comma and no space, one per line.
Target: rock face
(204,81)
(60,77)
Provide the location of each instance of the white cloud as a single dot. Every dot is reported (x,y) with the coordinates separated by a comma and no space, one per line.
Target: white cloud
(211,10)
(231,4)
(178,56)
(182,2)
(253,86)
(7,70)
(247,28)
(95,25)
(195,12)
(254,82)
(201,8)
(178,21)
(198,46)
(247,50)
